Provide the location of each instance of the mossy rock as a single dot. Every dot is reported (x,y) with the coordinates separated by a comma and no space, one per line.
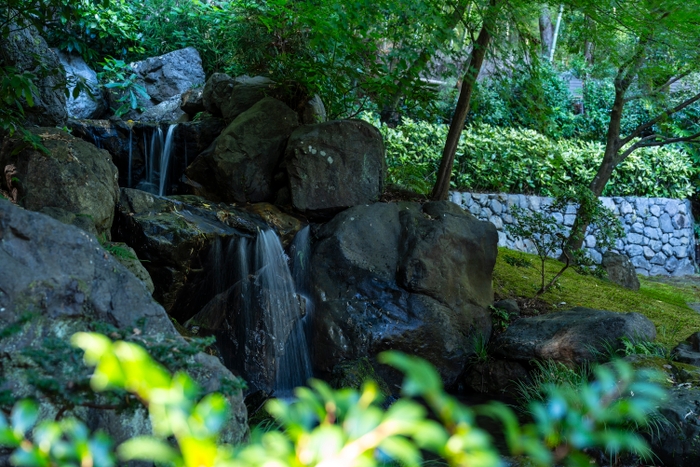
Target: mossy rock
(353,374)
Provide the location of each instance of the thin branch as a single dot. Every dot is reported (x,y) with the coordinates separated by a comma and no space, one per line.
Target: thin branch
(662,116)
(657,140)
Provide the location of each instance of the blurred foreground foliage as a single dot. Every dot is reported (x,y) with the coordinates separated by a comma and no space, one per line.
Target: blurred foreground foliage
(326,427)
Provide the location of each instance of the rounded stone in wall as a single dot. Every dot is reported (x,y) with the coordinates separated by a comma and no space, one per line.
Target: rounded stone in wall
(665,223)
(667,250)
(496,207)
(651,233)
(569,220)
(634,239)
(652,221)
(634,250)
(637,228)
(655,245)
(672,208)
(626,208)
(657,271)
(648,252)
(640,262)
(659,259)
(680,252)
(655,210)
(680,221)
(671,264)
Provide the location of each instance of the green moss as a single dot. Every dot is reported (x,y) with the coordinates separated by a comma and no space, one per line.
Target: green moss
(664,304)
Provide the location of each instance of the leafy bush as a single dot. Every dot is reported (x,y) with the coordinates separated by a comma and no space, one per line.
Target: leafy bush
(508,160)
(334,428)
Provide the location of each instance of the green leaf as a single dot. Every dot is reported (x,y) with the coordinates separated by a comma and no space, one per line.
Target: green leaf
(401,449)
(147,448)
(24,415)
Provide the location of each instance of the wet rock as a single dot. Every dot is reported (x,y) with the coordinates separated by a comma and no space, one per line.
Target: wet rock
(127,257)
(285,225)
(25,50)
(574,336)
(379,284)
(175,237)
(335,165)
(240,165)
(73,176)
(353,374)
(494,376)
(56,280)
(192,102)
(168,111)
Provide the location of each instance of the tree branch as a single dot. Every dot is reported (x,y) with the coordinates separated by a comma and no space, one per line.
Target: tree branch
(657,140)
(663,115)
(660,89)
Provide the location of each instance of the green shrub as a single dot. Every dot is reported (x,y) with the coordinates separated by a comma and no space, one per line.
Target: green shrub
(325,427)
(509,160)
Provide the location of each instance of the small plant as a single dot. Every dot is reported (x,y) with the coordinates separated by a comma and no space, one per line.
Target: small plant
(480,347)
(642,347)
(519,261)
(500,318)
(120,77)
(114,249)
(549,236)
(548,373)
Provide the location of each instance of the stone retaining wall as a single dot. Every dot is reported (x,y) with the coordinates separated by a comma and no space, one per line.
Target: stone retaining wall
(659,240)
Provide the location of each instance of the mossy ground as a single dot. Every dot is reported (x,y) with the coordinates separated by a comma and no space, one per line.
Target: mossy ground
(664,302)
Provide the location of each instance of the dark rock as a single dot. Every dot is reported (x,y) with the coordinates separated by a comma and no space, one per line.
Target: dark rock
(379,284)
(171,74)
(353,374)
(335,165)
(85,106)
(25,50)
(227,97)
(175,238)
(689,350)
(192,102)
(678,442)
(128,258)
(494,376)
(73,176)
(574,336)
(313,111)
(240,165)
(57,280)
(620,270)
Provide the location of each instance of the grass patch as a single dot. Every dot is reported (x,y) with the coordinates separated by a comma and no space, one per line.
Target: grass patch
(663,303)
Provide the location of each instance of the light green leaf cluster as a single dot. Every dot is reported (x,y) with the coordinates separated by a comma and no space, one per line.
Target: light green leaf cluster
(516,160)
(326,427)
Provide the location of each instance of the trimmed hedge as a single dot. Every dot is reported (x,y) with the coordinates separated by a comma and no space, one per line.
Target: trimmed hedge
(510,160)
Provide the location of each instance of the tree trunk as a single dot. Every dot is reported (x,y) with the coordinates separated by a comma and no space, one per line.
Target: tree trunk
(476,60)
(546,31)
(610,161)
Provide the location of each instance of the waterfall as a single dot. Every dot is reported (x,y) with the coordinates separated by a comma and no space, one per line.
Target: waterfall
(131,145)
(158,153)
(282,309)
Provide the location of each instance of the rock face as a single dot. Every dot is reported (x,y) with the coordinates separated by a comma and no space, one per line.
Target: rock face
(677,443)
(84,106)
(689,350)
(402,276)
(19,50)
(335,165)
(575,336)
(168,111)
(620,270)
(228,97)
(74,176)
(55,280)
(239,167)
(175,238)
(171,74)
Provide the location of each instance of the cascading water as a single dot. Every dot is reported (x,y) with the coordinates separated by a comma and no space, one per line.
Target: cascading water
(282,309)
(256,313)
(158,153)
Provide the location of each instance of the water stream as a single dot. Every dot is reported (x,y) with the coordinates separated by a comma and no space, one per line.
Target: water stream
(158,152)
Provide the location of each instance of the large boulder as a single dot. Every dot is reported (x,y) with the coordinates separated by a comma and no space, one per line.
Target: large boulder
(229,97)
(72,176)
(574,336)
(677,443)
(406,277)
(620,270)
(25,50)
(55,280)
(84,106)
(171,74)
(240,166)
(335,165)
